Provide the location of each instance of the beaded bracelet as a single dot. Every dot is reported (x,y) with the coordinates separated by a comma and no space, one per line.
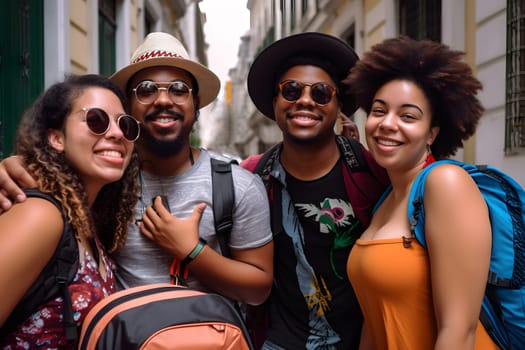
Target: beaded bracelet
(193,254)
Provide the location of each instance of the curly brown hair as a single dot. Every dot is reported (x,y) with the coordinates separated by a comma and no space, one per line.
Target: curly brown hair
(113,208)
(447,82)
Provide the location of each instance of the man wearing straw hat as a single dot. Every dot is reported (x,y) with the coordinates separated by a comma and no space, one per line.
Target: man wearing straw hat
(165,89)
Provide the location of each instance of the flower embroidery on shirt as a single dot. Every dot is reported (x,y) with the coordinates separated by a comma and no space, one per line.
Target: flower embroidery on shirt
(334,216)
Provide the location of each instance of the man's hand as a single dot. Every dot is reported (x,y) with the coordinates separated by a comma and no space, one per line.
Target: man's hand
(349,127)
(177,236)
(13,177)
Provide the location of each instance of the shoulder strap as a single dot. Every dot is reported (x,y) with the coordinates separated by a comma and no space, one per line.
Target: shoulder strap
(54,278)
(273,188)
(265,164)
(352,153)
(382,198)
(262,165)
(223,202)
(416,210)
(364,180)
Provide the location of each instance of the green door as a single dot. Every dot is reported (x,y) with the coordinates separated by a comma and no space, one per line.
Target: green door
(21,64)
(106,36)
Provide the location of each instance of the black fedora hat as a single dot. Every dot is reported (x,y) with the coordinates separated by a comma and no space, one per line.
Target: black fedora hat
(262,75)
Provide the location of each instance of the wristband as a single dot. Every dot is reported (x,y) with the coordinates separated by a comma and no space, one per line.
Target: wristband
(193,254)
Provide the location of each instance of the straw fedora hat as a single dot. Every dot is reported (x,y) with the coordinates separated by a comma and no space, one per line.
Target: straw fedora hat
(163,49)
(262,75)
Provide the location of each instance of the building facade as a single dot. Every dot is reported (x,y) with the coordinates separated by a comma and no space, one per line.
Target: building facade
(42,41)
(490,32)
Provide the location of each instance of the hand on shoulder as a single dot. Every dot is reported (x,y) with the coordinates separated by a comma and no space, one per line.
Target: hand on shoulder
(13,177)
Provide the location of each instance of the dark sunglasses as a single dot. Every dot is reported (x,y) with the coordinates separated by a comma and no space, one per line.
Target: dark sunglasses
(321,93)
(98,123)
(148,91)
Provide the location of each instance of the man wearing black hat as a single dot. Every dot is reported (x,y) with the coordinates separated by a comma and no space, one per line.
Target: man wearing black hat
(321,194)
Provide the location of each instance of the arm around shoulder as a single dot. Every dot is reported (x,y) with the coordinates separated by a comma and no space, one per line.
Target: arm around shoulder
(13,177)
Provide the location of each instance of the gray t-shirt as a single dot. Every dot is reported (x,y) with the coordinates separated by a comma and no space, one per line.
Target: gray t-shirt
(141,261)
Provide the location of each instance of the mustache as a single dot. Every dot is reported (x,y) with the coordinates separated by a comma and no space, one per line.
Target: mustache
(164,111)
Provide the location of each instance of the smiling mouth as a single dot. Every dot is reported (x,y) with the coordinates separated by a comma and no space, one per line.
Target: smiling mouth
(388,142)
(164,116)
(164,120)
(113,154)
(304,118)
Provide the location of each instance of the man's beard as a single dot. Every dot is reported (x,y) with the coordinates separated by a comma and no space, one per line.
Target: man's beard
(161,148)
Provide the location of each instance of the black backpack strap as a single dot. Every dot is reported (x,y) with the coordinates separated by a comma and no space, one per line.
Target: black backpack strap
(265,164)
(364,179)
(53,279)
(223,202)
(263,169)
(352,153)
(70,327)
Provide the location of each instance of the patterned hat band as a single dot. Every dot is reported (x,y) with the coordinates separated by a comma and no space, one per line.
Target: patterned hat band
(156,54)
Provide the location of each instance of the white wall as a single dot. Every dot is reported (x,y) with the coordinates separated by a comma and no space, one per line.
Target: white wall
(56,41)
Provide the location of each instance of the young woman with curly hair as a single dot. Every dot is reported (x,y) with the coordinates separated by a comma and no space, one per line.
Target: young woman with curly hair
(78,144)
(421,102)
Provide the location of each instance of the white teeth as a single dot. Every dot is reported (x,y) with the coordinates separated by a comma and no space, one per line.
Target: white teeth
(114,154)
(388,143)
(303,118)
(164,120)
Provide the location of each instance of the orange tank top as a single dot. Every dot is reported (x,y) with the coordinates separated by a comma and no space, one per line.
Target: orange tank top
(392,284)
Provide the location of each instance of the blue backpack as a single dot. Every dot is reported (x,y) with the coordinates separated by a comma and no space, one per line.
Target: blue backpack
(503,308)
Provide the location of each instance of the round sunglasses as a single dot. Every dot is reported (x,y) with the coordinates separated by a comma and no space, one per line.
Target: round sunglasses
(148,91)
(98,123)
(321,93)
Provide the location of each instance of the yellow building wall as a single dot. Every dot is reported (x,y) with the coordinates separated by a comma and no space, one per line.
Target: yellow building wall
(79,36)
(370,4)
(340,7)
(375,34)
(134,26)
(374,37)
(82,17)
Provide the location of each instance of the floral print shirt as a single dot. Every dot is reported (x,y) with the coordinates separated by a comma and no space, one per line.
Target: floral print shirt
(44,329)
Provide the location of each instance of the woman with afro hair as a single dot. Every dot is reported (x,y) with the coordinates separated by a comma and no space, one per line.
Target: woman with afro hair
(420,98)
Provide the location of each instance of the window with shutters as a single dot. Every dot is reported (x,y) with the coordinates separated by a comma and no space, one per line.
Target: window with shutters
(515,79)
(106,36)
(420,19)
